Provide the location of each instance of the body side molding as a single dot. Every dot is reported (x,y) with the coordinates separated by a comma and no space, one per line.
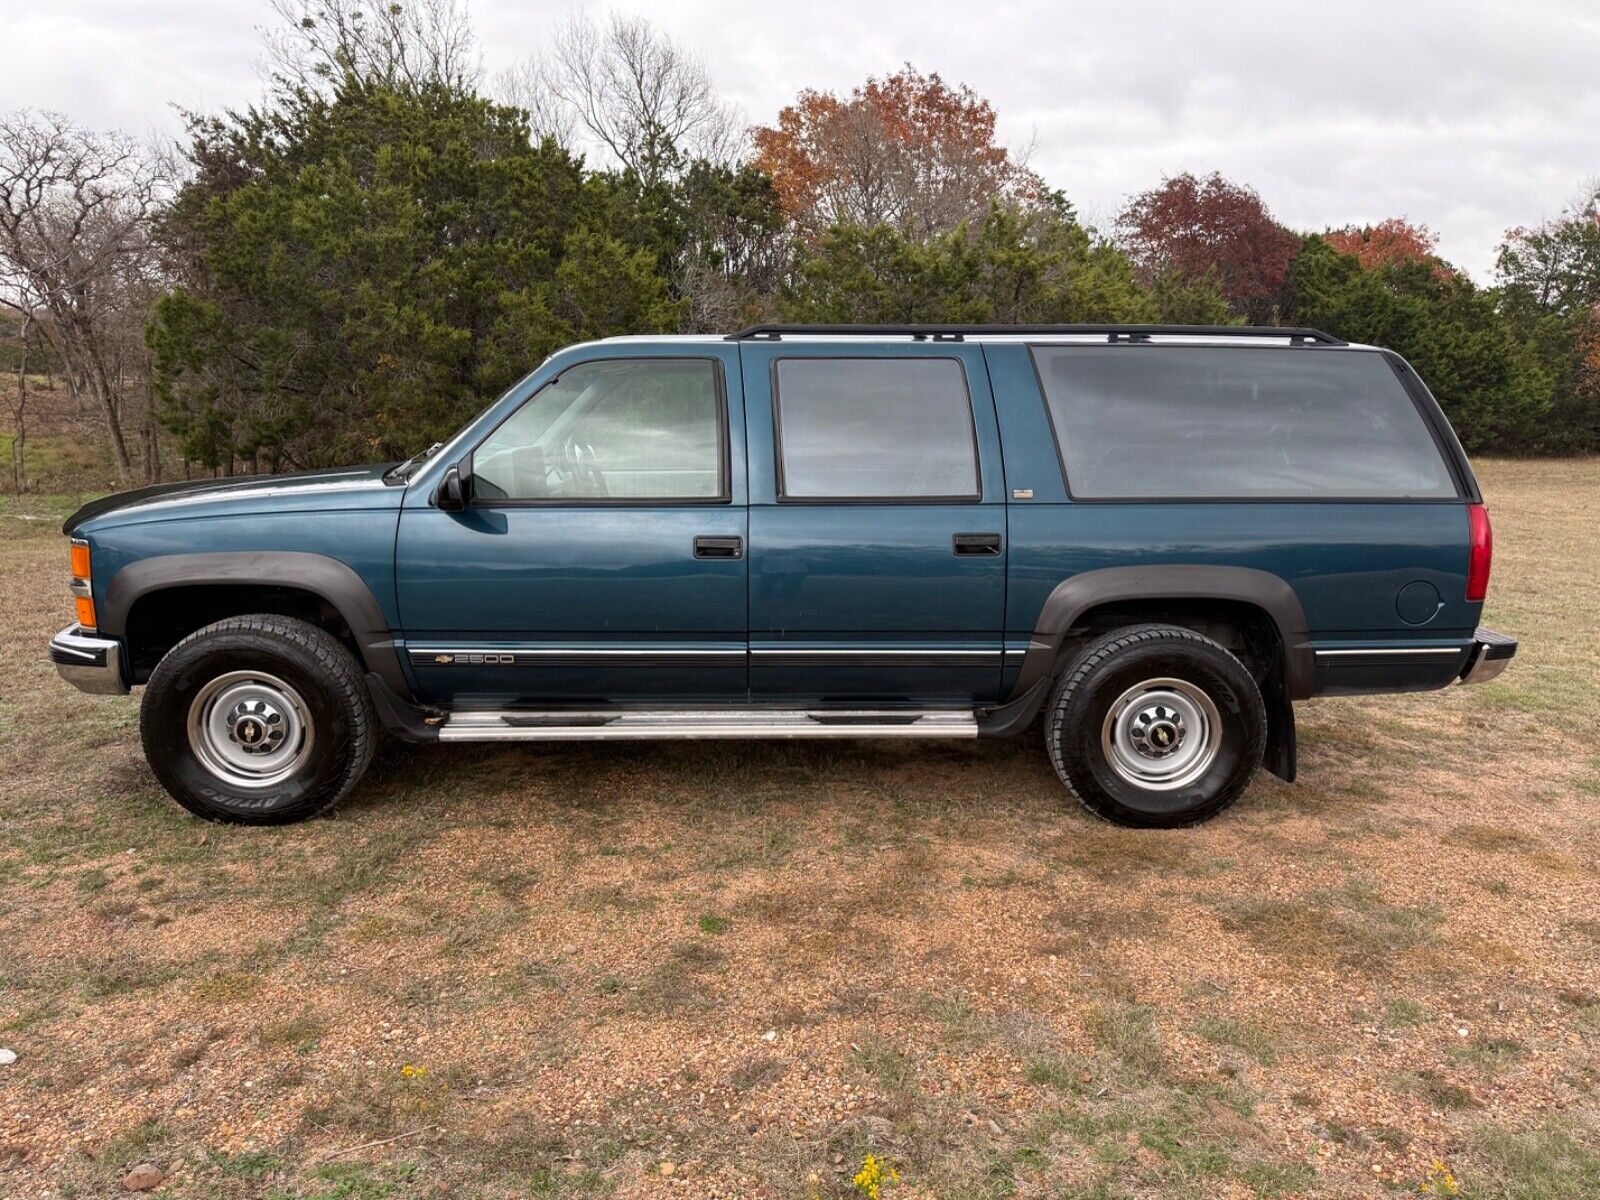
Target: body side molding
(333,581)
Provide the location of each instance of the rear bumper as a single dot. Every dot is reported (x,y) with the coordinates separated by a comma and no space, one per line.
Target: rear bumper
(1489,655)
(88,662)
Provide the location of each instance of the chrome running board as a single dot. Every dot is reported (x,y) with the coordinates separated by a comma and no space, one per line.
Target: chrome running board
(520,725)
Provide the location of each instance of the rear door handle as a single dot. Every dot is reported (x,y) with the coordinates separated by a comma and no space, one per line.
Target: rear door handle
(718,547)
(976,543)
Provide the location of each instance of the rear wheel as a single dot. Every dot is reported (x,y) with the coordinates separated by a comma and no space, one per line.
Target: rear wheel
(1156,726)
(257,720)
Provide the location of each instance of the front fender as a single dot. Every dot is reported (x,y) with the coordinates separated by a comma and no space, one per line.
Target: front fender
(333,581)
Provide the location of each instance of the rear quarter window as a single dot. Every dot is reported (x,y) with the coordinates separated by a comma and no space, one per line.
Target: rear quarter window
(1218,422)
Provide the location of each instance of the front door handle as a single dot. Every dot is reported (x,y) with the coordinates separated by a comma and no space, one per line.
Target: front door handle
(976,543)
(718,547)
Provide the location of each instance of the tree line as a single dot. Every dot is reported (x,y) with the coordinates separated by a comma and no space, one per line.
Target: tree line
(349,268)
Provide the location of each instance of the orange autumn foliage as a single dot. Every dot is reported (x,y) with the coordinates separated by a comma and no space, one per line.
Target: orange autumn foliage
(907,150)
(1394,240)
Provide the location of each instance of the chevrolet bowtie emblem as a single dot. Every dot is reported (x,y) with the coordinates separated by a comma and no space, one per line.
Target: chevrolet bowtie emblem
(444,658)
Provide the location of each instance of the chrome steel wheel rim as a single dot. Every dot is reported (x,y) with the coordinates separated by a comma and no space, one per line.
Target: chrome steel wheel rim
(250,729)
(1162,734)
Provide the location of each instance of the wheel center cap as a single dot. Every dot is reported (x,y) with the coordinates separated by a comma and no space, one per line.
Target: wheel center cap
(1157,732)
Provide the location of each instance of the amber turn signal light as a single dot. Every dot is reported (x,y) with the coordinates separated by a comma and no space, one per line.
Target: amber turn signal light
(82,597)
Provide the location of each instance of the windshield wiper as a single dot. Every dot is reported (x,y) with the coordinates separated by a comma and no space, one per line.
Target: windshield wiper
(401,472)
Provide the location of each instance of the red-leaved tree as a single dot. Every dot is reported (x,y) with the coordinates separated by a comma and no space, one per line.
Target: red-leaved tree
(1193,228)
(1394,240)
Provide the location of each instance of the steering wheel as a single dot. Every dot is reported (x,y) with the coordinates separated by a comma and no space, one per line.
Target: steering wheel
(579,461)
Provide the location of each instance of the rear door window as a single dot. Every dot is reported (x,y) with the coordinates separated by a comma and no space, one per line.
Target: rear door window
(874,429)
(1217,422)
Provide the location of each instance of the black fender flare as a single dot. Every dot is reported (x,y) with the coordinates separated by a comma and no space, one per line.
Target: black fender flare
(1066,605)
(331,580)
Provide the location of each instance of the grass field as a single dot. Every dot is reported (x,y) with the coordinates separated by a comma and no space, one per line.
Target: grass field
(734,970)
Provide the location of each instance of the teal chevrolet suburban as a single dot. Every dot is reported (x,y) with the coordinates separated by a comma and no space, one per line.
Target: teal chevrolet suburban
(1150,540)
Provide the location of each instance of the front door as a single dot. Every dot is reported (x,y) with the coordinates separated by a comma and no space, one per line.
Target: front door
(877,525)
(602,557)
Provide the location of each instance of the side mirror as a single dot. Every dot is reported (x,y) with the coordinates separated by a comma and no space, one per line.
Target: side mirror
(454,491)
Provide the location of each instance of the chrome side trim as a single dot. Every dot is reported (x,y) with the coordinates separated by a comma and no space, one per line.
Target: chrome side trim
(555,656)
(1387,652)
(523,726)
(866,651)
(665,656)
(88,662)
(576,651)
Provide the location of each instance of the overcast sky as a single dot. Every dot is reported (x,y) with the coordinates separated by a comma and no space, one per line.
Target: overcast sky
(1467,117)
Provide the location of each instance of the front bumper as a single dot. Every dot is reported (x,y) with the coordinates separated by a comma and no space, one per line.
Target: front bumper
(1489,655)
(88,662)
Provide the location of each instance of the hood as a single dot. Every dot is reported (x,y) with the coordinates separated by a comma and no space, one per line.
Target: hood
(250,490)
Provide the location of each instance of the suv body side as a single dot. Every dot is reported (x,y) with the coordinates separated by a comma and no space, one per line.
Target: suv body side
(1157,537)
(864,577)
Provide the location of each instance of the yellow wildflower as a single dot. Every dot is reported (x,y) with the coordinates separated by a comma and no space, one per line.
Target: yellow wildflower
(874,1173)
(1439,1181)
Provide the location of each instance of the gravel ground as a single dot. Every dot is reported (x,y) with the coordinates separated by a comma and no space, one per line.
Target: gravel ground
(735,970)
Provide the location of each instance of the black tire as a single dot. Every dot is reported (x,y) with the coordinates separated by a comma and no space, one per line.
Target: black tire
(325,703)
(1082,730)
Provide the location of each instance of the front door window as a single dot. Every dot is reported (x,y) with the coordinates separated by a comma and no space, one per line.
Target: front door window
(613,430)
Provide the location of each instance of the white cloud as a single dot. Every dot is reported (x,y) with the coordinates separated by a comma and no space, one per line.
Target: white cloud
(1468,117)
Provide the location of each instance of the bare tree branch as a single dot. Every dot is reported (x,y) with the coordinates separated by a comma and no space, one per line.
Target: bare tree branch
(528,86)
(650,104)
(320,43)
(77,215)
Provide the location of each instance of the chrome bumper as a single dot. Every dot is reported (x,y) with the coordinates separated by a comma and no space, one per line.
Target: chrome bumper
(1489,655)
(89,663)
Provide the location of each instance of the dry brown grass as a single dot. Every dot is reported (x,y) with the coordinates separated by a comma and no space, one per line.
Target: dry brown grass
(759,962)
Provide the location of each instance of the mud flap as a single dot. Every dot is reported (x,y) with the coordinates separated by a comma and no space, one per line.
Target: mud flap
(1280,754)
(404,720)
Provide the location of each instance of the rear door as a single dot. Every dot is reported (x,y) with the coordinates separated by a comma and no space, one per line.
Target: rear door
(877,525)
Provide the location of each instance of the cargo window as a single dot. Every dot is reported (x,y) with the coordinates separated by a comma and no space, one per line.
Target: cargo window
(1218,422)
(874,429)
(640,429)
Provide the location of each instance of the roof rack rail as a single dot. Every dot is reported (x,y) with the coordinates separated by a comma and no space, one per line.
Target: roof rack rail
(1113,333)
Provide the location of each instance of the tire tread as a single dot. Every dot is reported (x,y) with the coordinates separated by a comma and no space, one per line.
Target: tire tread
(332,663)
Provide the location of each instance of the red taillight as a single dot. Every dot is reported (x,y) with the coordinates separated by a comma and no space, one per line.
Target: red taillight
(1482,538)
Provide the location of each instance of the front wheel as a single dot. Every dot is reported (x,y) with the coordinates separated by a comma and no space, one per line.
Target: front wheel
(1156,726)
(257,720)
